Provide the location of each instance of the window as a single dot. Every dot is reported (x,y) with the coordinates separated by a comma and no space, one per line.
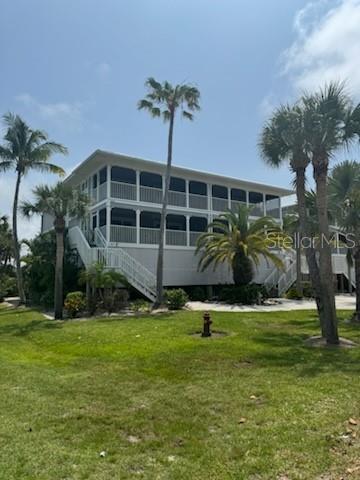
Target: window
(256,201)
(177,184)
(197,188)
(123,175)
(102,217)
(176,222)
(95,179)
(150,220)
(219,230)
(273,206)
(123,216)
(94,222)
(219,192)
(150,180)
(103,175)
(238,195)
(198,224)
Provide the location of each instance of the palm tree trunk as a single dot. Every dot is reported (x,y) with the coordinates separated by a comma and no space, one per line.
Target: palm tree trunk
(19,275)
(299,289)
(59,267)
(160,260)
(357,284)
(310,252)
(325,262)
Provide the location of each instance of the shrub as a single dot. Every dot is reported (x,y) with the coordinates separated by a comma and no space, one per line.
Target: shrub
(176,298)
(245,294)
(198,294)
(74,303)
(7,286)
(115,300)
(140,306)
(292,294)
(308,291)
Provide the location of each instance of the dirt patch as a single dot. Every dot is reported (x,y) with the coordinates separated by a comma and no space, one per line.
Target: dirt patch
(214,334)
(318,341)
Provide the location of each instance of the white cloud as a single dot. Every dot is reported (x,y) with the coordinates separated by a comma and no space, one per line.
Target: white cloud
(267,106)
(103,70)
(70,114)
(326,47)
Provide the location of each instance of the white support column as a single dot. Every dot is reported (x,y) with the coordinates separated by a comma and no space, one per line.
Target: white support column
(138,226)
(280,209)
(137,185)
(209,195)
(97,186)
(264,204)
(247,198)
(188,230)
(108,178)
(229,198)
(108,220)
(187,193)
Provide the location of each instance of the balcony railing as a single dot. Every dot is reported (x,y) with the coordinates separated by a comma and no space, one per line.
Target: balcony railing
(177,198)
(151,195)
(235,205)
(193,238)
(198,201)
(175,237)
(102,191)
(122,234)
(220,204)
(256,209)
(125,191)
(149,235)
(94,196)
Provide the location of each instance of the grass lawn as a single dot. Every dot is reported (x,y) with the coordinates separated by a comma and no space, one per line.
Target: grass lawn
(163,404)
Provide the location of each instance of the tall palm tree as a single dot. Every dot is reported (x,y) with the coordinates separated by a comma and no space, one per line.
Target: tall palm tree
(232,239)
(165,100)
(25,149)
(283,141)
(344,200)
(331,122)
(60,201)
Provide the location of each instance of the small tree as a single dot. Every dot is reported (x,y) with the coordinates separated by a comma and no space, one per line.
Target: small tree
(59,201)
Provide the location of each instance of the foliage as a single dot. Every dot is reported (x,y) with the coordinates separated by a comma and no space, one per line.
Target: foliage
(197,294)
(7,286)
(292,294)
(74,303)
(244,294)
(6,242)
(114,300)
(39,269)
(176,298)
(234,240)
(140,306)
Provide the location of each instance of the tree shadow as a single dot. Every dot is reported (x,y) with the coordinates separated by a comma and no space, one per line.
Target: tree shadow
(25,328)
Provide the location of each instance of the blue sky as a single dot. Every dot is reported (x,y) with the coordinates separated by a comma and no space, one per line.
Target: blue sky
(77,69)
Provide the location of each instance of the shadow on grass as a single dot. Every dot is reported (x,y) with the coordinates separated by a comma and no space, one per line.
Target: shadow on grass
(25,328)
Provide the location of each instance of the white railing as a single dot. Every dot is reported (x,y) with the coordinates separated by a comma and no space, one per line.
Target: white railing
(99,238)
(176,237)
(102,191)
(115,258)
(94,196)
(122,234)
(177,198)
(149,235)
(151,195)
(126,191)
(287,279)
(235,205)
(198,201)
(220,204)
(193,238)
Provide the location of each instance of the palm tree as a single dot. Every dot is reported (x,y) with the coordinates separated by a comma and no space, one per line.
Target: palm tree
(60,201)
(344,200)
(283,141)
(164,100)
(233,240)
(331,122)
(25,149)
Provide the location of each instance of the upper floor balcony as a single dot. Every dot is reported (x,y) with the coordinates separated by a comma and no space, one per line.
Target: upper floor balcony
(130,185)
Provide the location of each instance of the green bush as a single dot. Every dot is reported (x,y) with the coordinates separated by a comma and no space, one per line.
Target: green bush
(245,294)
(176,298)
(308,291)
(292,294)
(74,303)
(140,306)
(198,294)
(7,286)
(115,300)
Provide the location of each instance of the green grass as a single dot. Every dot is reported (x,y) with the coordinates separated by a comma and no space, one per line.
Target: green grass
(69,390)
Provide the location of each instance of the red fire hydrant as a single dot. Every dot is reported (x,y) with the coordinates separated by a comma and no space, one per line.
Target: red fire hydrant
(206,328)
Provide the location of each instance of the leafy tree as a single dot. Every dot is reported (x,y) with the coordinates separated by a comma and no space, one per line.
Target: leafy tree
(6,244)
(283,141)
(60,201)
(232,239)
(39,269)
(331,122)
(25,149)
(164,100)
(344,189)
